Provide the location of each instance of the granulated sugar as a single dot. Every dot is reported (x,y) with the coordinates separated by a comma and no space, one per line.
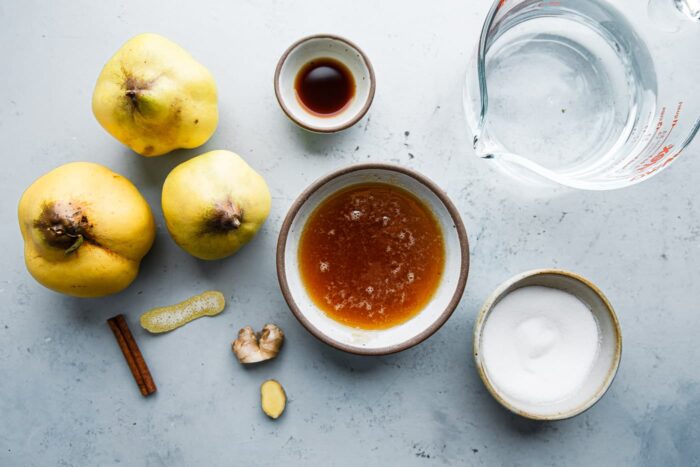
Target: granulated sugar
(539,344)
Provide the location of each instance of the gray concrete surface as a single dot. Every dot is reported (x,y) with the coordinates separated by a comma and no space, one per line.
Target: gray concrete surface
(66,395)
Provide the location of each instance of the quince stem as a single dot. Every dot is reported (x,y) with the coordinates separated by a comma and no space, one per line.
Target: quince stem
(75,245)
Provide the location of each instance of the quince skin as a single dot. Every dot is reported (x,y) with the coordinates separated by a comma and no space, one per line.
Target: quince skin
(85,230)
(154,97)
(214,204)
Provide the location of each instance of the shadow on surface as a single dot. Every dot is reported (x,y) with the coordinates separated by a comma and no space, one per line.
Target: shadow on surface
(516,424)
(88,311)
(321,143)
(347,362)
(153,170)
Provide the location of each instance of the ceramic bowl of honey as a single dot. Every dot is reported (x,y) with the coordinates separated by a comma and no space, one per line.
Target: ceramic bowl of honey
(324,83)
(372,259)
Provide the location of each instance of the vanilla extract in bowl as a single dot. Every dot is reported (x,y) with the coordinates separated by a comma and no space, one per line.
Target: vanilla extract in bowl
(324,87)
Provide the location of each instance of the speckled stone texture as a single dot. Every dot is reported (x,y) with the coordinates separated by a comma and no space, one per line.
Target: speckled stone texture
(66,395)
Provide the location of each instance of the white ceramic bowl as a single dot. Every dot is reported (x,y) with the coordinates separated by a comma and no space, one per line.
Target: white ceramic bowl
(324,46)
(604,367)
(402,336)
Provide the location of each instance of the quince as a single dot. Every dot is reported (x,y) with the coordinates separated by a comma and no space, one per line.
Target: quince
(214,204)
(154,97)
(85,230)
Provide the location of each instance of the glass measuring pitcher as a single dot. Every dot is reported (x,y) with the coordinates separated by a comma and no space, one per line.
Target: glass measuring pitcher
(576,92)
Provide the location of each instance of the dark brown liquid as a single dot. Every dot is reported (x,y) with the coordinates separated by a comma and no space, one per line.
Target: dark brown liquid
(324,87)
(371,256)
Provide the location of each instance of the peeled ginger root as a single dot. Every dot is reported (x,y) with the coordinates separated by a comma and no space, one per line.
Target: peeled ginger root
(249,349)
(167,318)
(272,398)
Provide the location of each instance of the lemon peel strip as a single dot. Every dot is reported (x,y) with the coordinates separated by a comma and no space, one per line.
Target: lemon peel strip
(167,318)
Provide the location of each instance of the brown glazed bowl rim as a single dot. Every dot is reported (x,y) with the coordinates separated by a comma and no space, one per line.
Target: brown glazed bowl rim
(363,110)
(435,325)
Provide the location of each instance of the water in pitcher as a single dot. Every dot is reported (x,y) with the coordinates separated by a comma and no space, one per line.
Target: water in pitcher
(570,88)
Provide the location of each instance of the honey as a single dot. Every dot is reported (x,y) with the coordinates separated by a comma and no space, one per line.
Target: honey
(371,256)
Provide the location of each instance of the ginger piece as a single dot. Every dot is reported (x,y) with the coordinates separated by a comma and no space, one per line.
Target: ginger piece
(251,348)
(273,399)
(167,318)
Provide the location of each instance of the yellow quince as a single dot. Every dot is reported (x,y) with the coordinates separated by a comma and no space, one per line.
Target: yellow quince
(154,97)
(214,204)
(85,230)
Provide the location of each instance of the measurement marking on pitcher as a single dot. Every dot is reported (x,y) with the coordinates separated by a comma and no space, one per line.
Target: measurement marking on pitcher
(661,150)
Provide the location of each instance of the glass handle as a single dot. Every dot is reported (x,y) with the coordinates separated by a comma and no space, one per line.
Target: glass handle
(672,15)
(690,8)
(668,9)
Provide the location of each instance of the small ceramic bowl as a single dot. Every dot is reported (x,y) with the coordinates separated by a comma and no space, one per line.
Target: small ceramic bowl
(402,336)
(604,367)
(324,46)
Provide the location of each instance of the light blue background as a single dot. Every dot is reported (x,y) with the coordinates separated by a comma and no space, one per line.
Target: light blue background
(66,395)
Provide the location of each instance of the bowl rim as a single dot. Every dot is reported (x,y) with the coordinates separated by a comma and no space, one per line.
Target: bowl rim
(360,114)
(502,290)
(435,325)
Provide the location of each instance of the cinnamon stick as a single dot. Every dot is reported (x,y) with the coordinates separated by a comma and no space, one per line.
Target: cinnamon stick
(132,354)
